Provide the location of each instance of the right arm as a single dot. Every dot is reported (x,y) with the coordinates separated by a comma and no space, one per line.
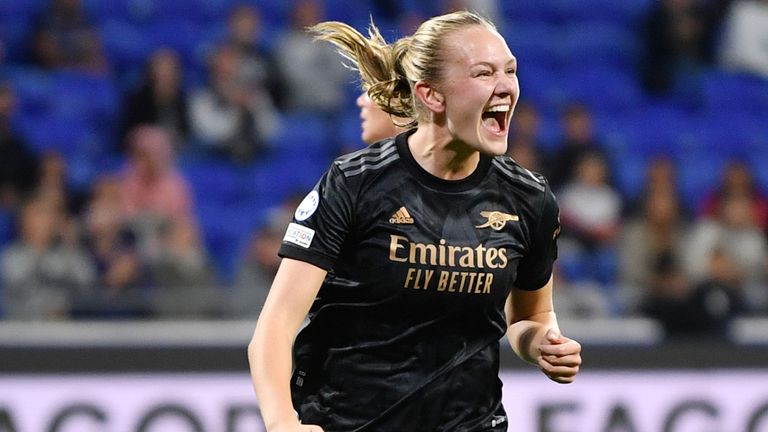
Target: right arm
(292,293)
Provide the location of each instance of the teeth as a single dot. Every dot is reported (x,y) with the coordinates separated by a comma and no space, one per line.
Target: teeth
(498,108)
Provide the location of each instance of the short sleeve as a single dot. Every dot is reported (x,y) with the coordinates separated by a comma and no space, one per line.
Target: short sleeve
(535,268)
(321,222)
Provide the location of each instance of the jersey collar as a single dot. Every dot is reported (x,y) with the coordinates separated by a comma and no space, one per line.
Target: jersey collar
(437,183)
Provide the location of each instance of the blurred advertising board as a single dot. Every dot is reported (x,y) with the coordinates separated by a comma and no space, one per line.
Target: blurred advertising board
(717,400)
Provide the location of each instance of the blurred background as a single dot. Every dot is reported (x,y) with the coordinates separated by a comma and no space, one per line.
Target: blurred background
(152,153)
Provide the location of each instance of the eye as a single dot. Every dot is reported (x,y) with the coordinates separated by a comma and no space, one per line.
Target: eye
(511,71)
(483,73)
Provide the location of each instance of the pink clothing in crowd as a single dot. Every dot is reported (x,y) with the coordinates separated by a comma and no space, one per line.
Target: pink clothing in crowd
(151,184)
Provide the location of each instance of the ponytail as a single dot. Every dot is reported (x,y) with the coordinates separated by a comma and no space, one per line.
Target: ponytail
(379,64)
(388,71)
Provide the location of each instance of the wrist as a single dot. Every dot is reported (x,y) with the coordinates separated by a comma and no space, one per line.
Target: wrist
(283,423)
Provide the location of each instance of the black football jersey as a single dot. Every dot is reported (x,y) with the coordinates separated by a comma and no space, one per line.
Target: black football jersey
(404,332)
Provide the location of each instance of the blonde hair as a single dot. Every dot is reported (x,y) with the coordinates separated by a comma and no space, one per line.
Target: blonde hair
(388,71)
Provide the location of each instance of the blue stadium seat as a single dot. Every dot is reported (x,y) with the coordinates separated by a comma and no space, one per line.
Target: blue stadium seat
(226,230)
(213,180)
(541,85)
(301,132)
(148,11)
(34,89)
(533,43)
(93,98)
(530,10)
(354,13)
(275,179)
(68,136)
(605,43)
(652,130)
(21,9)
(15,34)
(350,130)
(759,163)
(276,13)
(629,171)
(126,45)
(181,35)
(626,12)
(736,92)
(699,173)
(602,88)
(7,227)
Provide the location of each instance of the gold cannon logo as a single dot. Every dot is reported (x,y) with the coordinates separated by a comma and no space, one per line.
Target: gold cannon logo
(496,219)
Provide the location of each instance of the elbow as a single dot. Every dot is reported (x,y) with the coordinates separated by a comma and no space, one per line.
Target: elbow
(253,346)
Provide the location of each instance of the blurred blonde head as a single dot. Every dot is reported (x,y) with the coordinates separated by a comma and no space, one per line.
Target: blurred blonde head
(375,123)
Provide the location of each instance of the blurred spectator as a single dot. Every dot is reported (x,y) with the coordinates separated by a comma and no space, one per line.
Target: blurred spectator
(720,296)
(153,190)
(734,232)
(661,176)
(259,264)
(525,153)
(524,140)
(53,182)
(668,295)
(581,299)
(65,38)
(112,246)
(655,233)
(526,124)
(44,271)
(18,164)
(578,141)
(702,310)
(152,185)
(230,116)
(258,67)
(160,100)
(590,207)
(737,180)
(677,43)
(744,44)
(315,78)
(183,276)
(590,213)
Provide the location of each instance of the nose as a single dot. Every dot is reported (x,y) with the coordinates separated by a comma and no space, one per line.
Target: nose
(506,85)
(361,99)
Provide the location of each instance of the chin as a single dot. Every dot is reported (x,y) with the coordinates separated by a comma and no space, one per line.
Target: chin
(496,146)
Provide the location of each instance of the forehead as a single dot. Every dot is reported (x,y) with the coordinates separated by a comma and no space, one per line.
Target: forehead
(476,44)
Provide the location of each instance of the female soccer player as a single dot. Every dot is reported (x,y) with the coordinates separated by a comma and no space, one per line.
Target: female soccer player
(374,122)
(414,256)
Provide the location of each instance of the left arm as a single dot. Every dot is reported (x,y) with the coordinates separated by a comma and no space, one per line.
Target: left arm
(535,336)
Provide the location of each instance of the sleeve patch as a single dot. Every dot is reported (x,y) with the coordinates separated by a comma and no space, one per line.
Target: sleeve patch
(299,235)
(308,206)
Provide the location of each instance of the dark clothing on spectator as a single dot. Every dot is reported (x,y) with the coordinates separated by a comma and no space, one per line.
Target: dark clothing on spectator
(143,108)
(18,166)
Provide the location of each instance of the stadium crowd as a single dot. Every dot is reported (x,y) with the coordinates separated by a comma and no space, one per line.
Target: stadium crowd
(152,152)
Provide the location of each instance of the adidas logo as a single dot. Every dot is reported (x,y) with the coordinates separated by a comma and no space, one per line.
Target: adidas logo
(401,217)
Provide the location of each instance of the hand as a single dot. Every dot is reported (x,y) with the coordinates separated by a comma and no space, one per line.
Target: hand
(560,357)
(296,427)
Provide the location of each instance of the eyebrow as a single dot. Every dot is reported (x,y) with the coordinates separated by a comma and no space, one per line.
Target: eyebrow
(512,61)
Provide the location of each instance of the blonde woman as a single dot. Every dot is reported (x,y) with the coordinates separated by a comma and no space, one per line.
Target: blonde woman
(376,124)
(412,257)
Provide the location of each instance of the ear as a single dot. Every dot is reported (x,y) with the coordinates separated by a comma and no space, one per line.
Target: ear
(429,96)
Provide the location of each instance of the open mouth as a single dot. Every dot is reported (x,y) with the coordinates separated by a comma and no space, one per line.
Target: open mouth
(495,119)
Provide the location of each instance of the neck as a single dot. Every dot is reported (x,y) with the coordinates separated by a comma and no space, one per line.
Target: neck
(441,154)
